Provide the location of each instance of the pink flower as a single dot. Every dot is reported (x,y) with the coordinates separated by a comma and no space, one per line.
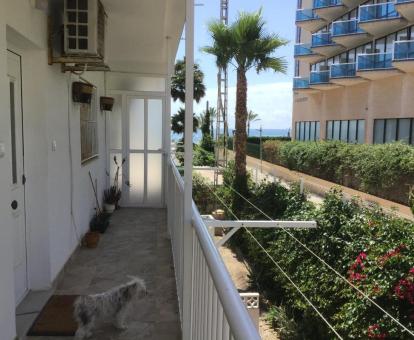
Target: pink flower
(404,289)
(374,332)
(357,267)
(392,253)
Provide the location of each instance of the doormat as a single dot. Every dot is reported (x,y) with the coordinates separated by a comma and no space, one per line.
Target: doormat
(56,318)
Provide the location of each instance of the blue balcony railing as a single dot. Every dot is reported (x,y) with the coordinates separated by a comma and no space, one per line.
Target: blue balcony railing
(382,11)
(377,61)
(303,50)
(322,39)
(404,1)
(346,70)
(319,77)
(305,15)
(404,50)
(300,83)
(326,3)
(346,27)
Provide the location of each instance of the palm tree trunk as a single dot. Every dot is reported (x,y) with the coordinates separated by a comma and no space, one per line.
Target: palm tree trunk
(241,135)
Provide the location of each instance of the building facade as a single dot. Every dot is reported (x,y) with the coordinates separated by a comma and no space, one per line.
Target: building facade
(354,71)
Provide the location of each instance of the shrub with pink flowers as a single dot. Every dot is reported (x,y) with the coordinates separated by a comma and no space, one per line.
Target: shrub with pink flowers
(373,251)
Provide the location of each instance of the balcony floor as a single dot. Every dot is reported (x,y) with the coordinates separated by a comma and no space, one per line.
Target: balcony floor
(137,243)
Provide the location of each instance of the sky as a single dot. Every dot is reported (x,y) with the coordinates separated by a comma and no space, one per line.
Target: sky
(269,94)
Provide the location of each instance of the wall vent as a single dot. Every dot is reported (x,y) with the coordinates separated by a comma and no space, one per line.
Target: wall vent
(84,28)
(77,35)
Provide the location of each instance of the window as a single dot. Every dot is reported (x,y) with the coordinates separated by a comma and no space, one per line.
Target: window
(307,131)
(329,130)
(89,130)
(348,131)
(391,130)
(77,25)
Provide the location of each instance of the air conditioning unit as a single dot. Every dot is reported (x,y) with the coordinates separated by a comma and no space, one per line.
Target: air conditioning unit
(84,24)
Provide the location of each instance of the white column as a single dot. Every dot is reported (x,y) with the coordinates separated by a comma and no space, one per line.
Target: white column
(188,160)
(168,113)
(7,303)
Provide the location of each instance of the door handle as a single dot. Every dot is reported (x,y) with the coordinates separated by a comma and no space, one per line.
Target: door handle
(14,205)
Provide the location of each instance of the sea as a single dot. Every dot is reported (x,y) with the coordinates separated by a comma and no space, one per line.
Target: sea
(253,133)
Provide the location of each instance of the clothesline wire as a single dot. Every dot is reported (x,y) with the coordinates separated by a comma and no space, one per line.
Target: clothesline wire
(343,278)
(281,270)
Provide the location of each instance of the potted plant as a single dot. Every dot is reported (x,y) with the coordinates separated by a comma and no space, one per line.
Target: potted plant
(82,92)
(112,196)
(91,239)
(107,103)
(111,199)
(99,222)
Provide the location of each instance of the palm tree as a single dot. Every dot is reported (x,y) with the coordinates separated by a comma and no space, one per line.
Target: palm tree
(251,118)
(213,114)
(178,82)
(245,45)
(178,122)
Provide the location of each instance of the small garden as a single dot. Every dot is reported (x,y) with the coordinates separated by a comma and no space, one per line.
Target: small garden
(385,170)
(371,249)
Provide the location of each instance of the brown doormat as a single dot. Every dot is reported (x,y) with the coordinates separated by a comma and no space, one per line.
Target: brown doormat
(56,318)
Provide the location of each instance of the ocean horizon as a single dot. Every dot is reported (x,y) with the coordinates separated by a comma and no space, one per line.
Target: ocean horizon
(253,133)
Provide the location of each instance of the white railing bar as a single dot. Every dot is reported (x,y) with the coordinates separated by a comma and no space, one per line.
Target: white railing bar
(368,54)
(320,71)
(178,179)
(403,41)
(340,21)
(227,237)
(339,64)
(261,224)
(236,313)
(382,3)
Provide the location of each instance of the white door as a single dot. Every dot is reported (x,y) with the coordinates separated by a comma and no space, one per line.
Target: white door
(17,208)
(144,151)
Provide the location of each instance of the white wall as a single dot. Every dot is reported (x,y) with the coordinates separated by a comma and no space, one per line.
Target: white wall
(64,230)
(7,321)
(52,234)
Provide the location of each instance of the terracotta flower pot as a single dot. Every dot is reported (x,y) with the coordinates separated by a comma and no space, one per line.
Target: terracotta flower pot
(107,103)
(82,92)
(91,239)
(219,215)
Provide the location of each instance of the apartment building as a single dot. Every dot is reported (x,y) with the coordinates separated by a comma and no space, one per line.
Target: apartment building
(354,72)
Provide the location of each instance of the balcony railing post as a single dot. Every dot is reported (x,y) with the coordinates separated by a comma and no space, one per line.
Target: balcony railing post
(187,286)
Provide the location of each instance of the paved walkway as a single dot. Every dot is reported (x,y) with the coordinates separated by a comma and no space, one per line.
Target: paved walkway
(319,187)
(137,243)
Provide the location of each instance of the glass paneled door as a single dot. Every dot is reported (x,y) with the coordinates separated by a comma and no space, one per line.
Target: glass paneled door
(144,152)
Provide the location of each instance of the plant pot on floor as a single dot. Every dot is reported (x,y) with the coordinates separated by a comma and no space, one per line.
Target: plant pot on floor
(109,208)
(100,223)
(91,239)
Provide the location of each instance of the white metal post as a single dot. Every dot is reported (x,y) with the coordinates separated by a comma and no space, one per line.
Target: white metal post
(188,160)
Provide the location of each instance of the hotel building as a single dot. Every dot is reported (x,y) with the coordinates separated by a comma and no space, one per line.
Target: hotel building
(354,71)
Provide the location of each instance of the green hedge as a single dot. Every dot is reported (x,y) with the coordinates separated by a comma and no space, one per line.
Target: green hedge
(385,170)
(256,140)
(373,250)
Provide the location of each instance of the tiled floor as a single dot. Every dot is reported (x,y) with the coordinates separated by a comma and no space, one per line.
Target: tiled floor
(137,243)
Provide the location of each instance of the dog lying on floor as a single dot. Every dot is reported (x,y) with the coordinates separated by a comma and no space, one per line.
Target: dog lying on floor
(108,306)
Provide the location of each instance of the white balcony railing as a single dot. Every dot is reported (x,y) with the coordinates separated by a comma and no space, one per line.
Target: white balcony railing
(216,308)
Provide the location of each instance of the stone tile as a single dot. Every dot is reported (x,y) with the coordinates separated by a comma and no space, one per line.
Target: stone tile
(137,243)
(34,301)
(167,331)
